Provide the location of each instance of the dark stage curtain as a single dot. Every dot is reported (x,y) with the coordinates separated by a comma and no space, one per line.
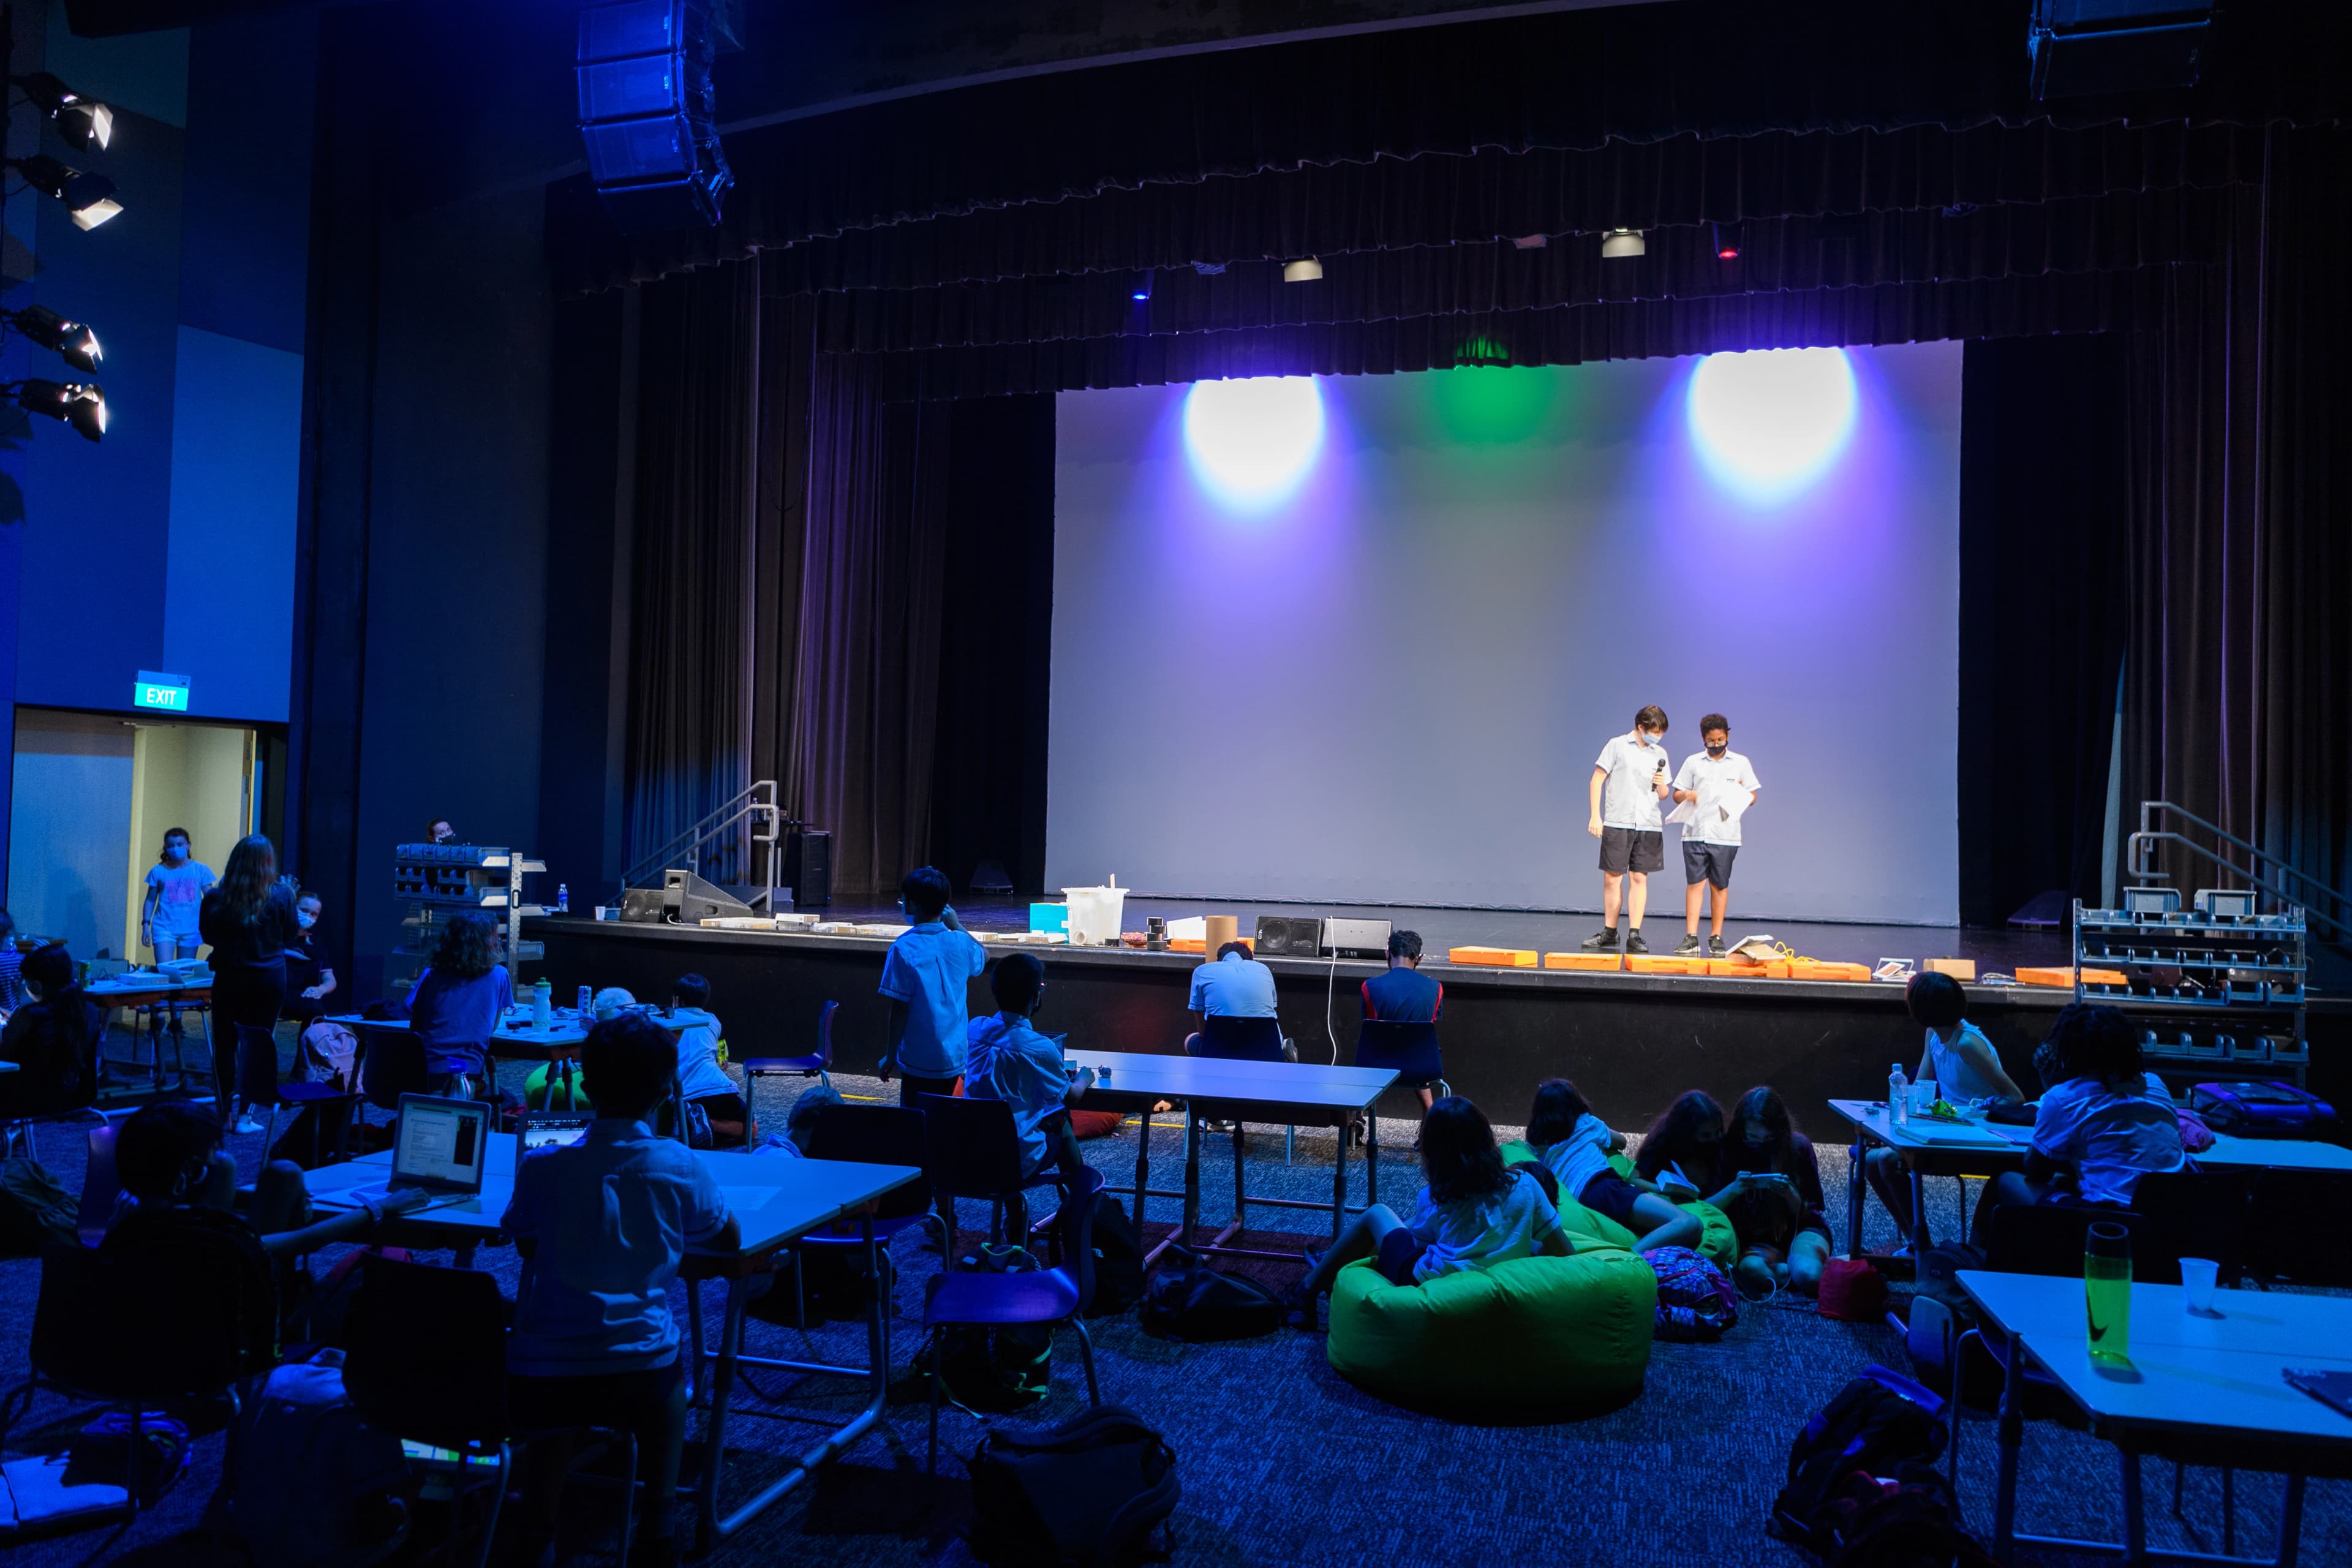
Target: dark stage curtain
(697,399)
(2042,616)
(2239,673)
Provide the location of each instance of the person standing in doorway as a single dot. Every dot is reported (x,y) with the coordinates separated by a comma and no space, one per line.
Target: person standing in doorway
(249,922)
(177,885)
(1629,780)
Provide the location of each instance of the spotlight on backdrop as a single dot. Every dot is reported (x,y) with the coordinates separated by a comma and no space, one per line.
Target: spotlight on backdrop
(1305,270)
(1726,240)
(83,121)
(1252,441)
(74,342)
(1141,288)
(89,198)
(78,404)
(1619,243)
(1768,422)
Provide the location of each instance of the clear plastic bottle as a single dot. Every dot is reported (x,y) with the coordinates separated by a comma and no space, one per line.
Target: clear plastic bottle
(587,1006)
(541,996)
(1898,1097)
(562,899)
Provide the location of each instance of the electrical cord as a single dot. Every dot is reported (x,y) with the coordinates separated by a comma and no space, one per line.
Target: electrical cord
(1330,994)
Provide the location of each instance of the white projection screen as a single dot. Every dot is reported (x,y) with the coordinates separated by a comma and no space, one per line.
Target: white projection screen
(1358,639)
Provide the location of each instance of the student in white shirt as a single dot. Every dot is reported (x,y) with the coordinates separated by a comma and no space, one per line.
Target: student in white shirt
(1629,780)
(1718,786)
(1957,1059)
(701,1078)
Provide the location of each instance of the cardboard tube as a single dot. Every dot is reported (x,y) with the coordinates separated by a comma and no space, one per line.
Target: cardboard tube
(1223,929)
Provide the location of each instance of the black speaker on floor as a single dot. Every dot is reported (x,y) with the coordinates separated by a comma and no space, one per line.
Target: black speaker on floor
(808,867)
(1285,936)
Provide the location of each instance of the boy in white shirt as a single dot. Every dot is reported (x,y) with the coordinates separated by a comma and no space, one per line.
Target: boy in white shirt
(1629,780)
(1719,786)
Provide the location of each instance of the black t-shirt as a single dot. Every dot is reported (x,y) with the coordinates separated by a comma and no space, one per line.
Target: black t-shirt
(221,1252)
(305,963)
(54,1043)
(261,943)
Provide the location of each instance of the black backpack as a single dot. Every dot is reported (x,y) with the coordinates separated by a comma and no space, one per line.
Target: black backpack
(1906,1520)
(1199,1304)
(1119,1260)
(1879,1422)
(1087,1491)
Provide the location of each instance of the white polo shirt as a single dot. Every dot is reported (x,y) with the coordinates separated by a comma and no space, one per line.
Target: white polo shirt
(1630,797)
(1718,781)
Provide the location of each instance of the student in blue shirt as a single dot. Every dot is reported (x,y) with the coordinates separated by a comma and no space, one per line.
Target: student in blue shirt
(1011,1061)
(701,1078)
(454,1006)
(602,1225)
(1402,994)
(926,977)
(1474,1214)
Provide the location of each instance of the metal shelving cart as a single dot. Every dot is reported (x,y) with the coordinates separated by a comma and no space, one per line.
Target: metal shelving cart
(435,881)
(2217,987)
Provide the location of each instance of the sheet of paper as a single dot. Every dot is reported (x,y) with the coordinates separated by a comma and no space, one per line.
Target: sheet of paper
(742,1200)
(1733,804)
(1683,812)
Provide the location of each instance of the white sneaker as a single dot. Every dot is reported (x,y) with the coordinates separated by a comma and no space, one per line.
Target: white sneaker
(246,1126)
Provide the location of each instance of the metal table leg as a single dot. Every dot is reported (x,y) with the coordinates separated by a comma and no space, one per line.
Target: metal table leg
(2012,1437)
(1340,1184)
(1371,1159)
(2134,1512)
(1143,1168)
(1919,1241)
(1191,1216)
(2290,1522)
(1853,1194)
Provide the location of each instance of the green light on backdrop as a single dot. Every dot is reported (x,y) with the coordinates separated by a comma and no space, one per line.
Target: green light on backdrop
(1485,405)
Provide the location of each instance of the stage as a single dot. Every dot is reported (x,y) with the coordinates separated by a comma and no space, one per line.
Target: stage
(1630,1041)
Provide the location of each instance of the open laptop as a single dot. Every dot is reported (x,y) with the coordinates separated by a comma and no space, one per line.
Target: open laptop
(443,1148)
(548,1129)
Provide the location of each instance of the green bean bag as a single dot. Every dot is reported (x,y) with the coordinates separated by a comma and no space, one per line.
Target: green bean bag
(1718,1243)
(540,1095)
(1533,1336)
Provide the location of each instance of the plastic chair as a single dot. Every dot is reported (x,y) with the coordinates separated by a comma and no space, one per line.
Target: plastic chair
(818,1065)
(102,1189)
(256,1045)
(1409,1049)
(973,1151)
(1049,1296)
(1241,1039)
(877,1135)
(391,1063)
(427,1362)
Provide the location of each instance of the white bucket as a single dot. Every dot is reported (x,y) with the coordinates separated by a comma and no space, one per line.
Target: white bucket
(1095,914)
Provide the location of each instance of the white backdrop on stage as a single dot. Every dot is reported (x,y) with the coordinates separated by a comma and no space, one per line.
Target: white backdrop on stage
(1359,639)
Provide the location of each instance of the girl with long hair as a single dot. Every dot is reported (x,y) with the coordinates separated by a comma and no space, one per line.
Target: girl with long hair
(456,1005)
(1774,1197)
(1473,1214)
(1575,1145)
(248,922)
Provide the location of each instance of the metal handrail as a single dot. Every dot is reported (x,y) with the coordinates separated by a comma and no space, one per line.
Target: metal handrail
(722,816)
(688,846)
(2136,862)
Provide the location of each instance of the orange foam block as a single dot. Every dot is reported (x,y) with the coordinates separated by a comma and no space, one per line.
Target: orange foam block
(1814,969)
(2033,975)
(1195,944)
(1610,962)
(1743,969)
(1646,964)
(1493,957)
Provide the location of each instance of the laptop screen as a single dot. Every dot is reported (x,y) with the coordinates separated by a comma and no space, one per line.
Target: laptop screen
(552,1131)
(440,1142)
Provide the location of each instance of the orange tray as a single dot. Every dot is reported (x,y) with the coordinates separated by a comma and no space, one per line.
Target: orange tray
(1610,962)
(1740,968)
(1646,964)
(1493,957)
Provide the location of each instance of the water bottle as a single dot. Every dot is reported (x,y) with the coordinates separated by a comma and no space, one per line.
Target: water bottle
(562,899)
(1898,1097)
(587,1004)
(541,993)
(2106,1291)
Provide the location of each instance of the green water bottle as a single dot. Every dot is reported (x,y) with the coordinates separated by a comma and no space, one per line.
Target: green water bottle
(2106,1291)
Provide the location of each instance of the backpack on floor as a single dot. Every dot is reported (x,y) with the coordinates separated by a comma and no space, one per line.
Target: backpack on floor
(1878,1422)
(1199,1305)
(2262,1109)
(1696,1301)
(993,1369)
(1119,1260)
(308,1483)
(101,1453)
(327,1052)
(1085,1492)
(1902,1521)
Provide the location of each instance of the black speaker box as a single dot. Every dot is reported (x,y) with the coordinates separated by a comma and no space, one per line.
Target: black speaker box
(1284,936)
(808,867)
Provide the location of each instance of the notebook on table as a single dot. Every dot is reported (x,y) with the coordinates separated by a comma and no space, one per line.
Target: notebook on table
(442,1148)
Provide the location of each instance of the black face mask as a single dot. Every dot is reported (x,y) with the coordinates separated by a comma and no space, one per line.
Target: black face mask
(1719,750)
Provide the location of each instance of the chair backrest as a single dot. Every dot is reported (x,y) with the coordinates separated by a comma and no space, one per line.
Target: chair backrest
(973,1149)
(2050,1239)
(1075,1226)
(1241,1039)
(2190,1213)
(2290,1226)
(102,1189)
(256,1063)
(391,1063)
(1410,1051)
(824,1034)
(878,1135)
(426,1352)
(148,1324)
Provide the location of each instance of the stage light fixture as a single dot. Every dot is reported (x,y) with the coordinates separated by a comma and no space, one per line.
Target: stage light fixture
(1768,422)
(1726,240)
(1252,441)
(81,404)
(89,198)
(83,121)
(1618,242)
(1531,242)
(1141,291)
(73,341)
(1209,269)
(1306,269)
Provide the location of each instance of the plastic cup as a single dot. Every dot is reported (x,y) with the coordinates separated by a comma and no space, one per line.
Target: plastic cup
(2196,1279)
(1922,1097)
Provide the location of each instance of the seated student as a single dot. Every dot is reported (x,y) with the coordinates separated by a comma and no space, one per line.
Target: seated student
(54,1042)
(926,977)
(1233,984)
(701,1078)
(1402,994)
(2104,1123)
(309,979)
(1575,1145)
(602,1225)
(1777,1207)
(1963,1065)
(456,1005)
(1683,1150)
(1474,1214)
(1008,1060)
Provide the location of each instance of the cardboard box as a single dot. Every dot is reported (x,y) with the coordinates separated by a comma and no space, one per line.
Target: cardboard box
(1493,957)
(1957,968)
(1814,969)
(1649,963)
(1741,969)
(1606,963)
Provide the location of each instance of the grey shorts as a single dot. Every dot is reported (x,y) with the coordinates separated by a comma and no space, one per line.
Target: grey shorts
(1624,850)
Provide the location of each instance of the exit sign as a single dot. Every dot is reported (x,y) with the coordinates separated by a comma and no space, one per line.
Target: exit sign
(156,689)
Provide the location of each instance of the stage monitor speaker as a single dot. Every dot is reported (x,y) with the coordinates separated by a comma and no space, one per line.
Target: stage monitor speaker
(1357,938)
(808,867)
(2079,47)
(644,907)
(691,901)
(645,117)
(1285,936)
